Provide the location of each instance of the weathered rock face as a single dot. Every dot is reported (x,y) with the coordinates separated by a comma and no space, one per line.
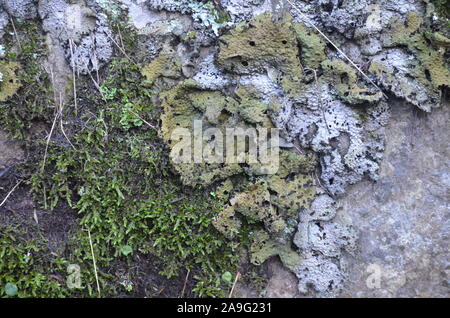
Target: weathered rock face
(82,32)
(403,218)
(260,64)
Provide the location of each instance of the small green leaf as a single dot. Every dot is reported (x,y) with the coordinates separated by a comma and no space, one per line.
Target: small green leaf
(11,289)
(126,250)
(227,277)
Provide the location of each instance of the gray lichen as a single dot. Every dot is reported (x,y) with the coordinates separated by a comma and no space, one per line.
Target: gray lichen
(322,240)
(82,32)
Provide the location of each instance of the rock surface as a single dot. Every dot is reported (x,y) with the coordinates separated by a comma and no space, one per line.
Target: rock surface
(10,153)
(404,217)
(262,66)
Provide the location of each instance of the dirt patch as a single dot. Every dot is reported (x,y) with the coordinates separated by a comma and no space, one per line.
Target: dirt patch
(11,153)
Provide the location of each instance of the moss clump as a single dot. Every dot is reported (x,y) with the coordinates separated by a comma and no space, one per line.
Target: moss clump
(442,7)
(29,265)
(25,93)
(128,195)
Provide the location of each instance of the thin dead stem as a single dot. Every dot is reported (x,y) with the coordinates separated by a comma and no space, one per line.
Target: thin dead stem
(334,45)
(185,283)
(71,44)
(120,48)
(9,193)
(143,120)
(15,32)
(95,265)
(61,107)
(238,275)
(48,141)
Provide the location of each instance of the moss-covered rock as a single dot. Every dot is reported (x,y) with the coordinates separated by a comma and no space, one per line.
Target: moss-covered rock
(292,194)
(263,247)
(312,46)
(163,65)
(430,69)
(345,81)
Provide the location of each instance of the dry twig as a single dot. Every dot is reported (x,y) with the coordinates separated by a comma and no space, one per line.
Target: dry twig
(185,283)
(304,17)
(238,275)
(9,193)
(95,265)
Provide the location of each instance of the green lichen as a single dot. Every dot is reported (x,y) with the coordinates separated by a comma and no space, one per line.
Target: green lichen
(182,105)
(10,83)
(273,199)
(432,70)
(227,223)
(161,66)
(255,204)
(260,44)
(312,47)
(346,84)
(263,247)
(293,163)
(224,190)
(251,107)
(292,194)
(253,45)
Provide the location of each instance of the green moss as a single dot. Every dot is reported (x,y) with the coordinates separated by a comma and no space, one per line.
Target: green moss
(29,265)
(128,195)
(25,93)
(442,7)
